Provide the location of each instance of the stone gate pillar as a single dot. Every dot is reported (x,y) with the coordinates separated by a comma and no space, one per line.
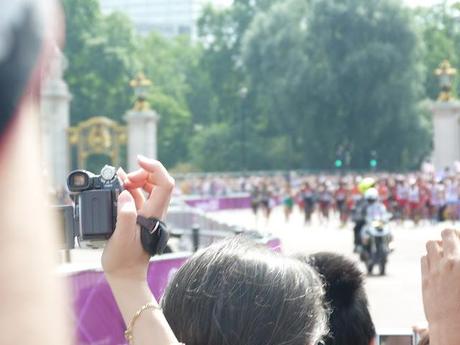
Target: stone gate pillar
(55,120)
(142,135)
(446,117)
(142,124)
(446,128)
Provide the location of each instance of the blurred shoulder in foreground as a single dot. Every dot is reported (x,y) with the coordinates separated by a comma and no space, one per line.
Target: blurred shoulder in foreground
(31,298)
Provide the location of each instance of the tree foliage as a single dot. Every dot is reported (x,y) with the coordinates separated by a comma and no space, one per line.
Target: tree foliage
(105,53)
(346,75)
(320,79)
(99,49)
(167,64)
(441,36)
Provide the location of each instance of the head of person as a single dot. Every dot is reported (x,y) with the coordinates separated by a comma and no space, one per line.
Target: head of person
(350,322)
(235,292)
(371,195)
(365,184)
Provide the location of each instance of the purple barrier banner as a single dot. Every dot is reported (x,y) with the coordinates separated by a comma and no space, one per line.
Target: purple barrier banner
(97,318)
(210,204)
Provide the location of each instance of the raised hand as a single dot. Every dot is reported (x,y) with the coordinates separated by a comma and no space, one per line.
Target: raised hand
(441,288)
(154,179)
(124,257)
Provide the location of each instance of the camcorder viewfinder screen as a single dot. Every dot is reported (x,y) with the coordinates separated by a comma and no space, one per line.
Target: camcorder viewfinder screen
(396,339)
(79,180)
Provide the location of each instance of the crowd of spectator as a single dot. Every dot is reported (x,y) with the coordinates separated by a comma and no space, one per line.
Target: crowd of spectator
(415,196)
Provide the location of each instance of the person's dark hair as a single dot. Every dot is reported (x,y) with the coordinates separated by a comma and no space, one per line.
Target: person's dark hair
(237,293)
(21,38)
(350,322)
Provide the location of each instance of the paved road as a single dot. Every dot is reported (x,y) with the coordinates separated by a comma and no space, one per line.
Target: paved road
(395,299)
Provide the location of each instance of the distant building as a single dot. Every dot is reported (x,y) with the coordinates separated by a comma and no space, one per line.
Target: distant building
(168,17)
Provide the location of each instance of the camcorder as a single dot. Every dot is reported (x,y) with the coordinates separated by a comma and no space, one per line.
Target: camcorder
(93,216)
(396,337)
(95,202)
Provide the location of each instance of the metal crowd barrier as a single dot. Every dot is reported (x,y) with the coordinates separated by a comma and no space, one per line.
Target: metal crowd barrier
(194,229)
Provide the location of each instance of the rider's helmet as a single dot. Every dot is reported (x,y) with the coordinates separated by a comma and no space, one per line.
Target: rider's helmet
(371,195)
(365,184)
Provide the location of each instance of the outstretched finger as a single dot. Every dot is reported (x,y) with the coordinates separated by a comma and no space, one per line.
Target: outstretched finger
(122,175)
(136,193)
(159,185)
(450,242)
(434,252)
(143,184)
(137,178)
(148,187)
(425,266)
(158,175)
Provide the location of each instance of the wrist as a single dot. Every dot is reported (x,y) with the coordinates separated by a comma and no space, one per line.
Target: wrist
(130,295)
(120,281)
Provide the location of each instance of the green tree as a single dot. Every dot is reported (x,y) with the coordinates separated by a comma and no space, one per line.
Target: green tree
(274,56)
(213,148)
(216,78)
(100,50)
(221,32)
(105,54)
(441,36)
(174,129)
(167,63)
(342,74)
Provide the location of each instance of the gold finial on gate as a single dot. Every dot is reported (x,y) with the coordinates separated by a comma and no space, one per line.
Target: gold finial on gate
(141,84)
(446,74)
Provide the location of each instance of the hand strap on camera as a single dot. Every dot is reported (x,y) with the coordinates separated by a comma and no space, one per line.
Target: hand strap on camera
(154,234)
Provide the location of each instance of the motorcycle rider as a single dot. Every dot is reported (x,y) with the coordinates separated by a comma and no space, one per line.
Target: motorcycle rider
(376,213)
(359,210)
(375,209)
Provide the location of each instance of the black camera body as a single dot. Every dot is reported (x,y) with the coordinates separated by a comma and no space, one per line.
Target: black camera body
(93,216)
(95,198)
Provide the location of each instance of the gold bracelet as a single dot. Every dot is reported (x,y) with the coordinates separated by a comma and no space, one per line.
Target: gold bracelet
(129,329)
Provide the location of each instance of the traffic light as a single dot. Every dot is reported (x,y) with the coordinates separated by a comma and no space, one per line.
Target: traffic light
(373,161)
(338,163)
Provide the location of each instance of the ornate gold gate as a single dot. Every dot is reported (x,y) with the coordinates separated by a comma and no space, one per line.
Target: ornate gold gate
(97,135)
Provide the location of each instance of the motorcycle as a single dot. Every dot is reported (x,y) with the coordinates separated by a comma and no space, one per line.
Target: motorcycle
(377,245)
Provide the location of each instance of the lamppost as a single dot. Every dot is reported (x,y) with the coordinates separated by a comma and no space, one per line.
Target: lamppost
(446,74)
(243,94)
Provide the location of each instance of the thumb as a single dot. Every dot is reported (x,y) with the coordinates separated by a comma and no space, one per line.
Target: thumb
(126,213)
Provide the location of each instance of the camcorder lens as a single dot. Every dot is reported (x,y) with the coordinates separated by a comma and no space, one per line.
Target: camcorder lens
(79,180)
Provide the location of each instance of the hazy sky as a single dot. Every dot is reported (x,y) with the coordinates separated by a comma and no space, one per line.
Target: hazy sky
(422,2)
(412,3)
(409,2)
